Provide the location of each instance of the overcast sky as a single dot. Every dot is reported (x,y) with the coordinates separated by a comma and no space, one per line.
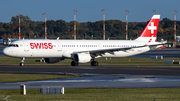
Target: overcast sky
(89,10)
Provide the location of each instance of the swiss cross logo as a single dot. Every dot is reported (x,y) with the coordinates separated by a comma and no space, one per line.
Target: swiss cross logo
(152,27)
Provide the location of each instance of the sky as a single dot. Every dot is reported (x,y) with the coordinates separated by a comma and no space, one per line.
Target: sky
(89,10)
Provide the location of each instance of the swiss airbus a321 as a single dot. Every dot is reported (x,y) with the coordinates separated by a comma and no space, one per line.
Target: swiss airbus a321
(84,51)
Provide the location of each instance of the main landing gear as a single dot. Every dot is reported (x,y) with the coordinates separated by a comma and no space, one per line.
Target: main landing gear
(73,63)
(93,63)
(22,62)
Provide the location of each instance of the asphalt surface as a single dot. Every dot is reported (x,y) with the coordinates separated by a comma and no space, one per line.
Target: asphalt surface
(171,70)
(102,81)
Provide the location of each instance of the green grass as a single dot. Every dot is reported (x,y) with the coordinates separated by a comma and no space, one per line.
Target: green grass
(102,61)
(100,94)
(7,77)
(6,59)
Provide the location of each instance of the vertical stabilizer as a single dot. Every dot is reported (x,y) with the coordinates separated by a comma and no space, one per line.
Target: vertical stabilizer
(150,31)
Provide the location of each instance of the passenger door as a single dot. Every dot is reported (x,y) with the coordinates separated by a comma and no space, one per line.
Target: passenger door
(59,47)
(26,47)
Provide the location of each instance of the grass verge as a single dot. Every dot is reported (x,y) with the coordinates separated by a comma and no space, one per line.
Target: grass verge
(8,77)
(102,61)
(98,94)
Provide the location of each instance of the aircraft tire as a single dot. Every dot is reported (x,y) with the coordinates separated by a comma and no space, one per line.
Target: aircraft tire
(21,64)
(94,63)
(74,63)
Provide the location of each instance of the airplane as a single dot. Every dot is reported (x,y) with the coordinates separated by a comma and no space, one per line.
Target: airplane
(84,51)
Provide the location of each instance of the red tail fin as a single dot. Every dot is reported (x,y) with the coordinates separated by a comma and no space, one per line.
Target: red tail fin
(150,31)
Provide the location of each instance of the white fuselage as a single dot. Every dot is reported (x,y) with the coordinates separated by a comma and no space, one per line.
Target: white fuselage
(83,51)
(65,48)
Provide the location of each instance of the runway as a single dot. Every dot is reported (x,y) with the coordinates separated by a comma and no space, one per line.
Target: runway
(171,70)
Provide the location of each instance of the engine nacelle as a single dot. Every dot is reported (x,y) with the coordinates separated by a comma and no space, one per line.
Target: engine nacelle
(82,57)
(52,60)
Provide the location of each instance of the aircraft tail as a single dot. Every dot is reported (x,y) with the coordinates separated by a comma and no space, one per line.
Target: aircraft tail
(150,31)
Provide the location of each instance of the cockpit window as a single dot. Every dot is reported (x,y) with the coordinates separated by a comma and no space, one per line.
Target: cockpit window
(13,45)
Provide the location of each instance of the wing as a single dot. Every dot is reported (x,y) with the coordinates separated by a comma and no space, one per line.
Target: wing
(95,53)
(100,52)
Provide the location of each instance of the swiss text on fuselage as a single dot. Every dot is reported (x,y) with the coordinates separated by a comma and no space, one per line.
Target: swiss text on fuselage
(41,45)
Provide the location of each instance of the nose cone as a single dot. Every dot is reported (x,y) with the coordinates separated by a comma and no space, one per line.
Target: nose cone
(5,51)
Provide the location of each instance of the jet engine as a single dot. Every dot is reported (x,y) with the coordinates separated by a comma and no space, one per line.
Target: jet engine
(52,60)
(82,57)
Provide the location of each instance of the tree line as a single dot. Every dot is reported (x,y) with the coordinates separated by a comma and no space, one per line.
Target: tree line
(115,29)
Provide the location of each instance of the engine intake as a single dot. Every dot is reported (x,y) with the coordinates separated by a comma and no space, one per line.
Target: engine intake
(82,57)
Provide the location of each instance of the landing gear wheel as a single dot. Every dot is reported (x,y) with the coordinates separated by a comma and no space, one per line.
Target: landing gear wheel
(74,63)
(94,63)
(21,64)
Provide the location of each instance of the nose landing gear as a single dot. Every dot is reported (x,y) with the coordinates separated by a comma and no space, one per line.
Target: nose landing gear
(22,62)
